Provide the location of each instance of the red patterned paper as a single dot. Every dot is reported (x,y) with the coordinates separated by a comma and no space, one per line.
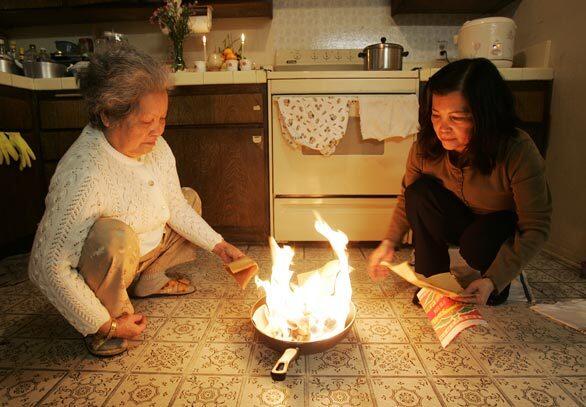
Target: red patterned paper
(448,317)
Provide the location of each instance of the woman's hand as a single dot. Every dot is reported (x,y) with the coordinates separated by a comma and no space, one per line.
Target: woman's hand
(227,252)
(480,289)
(384,252)
(128,326)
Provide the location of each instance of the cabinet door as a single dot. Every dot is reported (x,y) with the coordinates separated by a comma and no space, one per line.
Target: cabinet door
(228,168)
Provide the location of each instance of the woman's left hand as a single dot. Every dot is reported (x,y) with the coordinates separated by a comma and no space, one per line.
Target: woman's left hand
(227,252)
(481,289)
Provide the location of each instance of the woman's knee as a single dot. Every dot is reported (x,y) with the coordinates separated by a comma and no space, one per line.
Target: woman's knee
(419,191)
(112,237)
(193,198)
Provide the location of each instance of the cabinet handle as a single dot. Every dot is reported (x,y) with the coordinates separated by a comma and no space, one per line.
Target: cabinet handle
(67,95)
(256,108)
(257,139)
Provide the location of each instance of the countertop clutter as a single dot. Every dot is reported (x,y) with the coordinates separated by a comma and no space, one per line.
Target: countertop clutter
(187,78)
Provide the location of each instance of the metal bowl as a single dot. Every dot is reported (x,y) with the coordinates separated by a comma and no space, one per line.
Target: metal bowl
(44,70)
(8,66)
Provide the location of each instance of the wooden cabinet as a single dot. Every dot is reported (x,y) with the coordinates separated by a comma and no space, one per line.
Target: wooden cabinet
(18,13)
(218,134)
(22,192)
(447,6)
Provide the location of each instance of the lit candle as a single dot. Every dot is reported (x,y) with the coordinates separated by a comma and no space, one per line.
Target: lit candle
(242,41)
(205,56)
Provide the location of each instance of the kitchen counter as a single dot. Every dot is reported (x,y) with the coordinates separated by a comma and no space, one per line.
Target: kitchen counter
(179,79)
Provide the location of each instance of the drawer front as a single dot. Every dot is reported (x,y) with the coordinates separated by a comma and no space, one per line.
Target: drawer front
(530,105)
(215,109)
(362,219)
(56,143)
(15,113)
(63,114)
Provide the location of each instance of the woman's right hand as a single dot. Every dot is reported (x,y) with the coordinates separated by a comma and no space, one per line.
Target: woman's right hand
(130,325)
(384,252)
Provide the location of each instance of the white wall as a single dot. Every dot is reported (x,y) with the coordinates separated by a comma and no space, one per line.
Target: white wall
(563,23)
(296,24)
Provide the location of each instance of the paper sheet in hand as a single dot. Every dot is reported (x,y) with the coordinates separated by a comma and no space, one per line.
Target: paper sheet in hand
(571,313)
(444,283)
(448,317)
(243,270)
(325,276)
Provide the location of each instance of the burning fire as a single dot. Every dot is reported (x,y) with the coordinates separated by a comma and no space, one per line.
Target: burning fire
(318,305)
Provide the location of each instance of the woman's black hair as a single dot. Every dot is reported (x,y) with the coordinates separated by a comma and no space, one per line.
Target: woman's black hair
(491,105)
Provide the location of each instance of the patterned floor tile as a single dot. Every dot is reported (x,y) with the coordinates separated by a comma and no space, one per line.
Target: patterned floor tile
(506,360)
(208,290)
(233,291)
(153,326)
(165,357)
(534,392)
(148,390)
(83,389)
(11,323)
(373,308)
(540,276)
(464,392)
(183,329)
(264,359)
(380,331)
(576,386)
(398,289)
(235,309)
(342,359)
(557,290)
(58,354)
(24,288)
(263,391)
(36,304)
(339,391)
(8,301)
(199,390)
(404,308)
(559,359)
(264,253)
(222,358)
(392,360)
(118,363)
(483,334)
(370,290)
(196,308)
(567,275)
(324,254)
(359,274)
(404,392)
(48,326)
(537,329)
(4,373)
(452,361)
(419,330)
(155,307)
(230,330)
(27,387)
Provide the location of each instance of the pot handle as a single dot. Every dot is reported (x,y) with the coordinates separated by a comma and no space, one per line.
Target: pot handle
(361,55)
(404,53)
(279,372)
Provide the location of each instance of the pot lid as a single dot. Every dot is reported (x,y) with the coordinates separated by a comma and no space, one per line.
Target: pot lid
(489,20)
(383,44)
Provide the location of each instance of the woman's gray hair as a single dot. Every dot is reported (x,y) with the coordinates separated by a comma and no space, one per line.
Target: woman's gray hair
(115,81)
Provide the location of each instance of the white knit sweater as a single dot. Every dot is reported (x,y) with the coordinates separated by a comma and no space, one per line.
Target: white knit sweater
(93,180)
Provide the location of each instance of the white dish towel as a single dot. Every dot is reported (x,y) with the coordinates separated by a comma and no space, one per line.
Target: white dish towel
(382,117)
(317,122)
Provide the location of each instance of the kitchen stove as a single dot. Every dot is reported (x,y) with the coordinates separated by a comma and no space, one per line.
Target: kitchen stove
(354,189)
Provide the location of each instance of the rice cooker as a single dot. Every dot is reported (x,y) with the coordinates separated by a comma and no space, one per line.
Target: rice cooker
(492,38)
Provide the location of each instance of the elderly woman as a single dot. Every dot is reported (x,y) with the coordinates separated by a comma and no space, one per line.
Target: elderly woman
(473,180)
(116,217)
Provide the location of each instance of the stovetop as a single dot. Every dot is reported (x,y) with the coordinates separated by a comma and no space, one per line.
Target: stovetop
(318,60)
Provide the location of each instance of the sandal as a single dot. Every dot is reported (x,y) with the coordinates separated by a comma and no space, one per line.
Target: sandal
(180,286)
(98,345)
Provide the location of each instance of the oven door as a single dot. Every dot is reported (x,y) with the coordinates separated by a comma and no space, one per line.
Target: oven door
(357,167)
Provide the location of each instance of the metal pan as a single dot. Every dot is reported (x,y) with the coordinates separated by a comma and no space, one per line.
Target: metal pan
(292,349)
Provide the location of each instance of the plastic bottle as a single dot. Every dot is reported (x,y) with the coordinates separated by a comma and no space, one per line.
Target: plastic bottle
(3,54)
(12,52)
(43,56)
(31,53)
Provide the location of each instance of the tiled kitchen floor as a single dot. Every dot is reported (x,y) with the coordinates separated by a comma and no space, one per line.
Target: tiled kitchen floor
(201,349)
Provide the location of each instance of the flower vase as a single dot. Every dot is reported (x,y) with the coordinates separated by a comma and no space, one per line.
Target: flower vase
(178,61)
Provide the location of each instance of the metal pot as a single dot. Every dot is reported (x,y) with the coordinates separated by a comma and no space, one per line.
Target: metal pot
(292,349)
(8,66)
(383,56)
(44,69)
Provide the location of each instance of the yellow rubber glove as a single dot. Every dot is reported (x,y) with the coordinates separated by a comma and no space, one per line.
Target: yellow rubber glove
(23,148)
(7,150)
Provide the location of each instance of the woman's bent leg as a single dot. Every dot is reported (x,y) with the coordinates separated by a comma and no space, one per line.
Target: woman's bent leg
(437,218)
(109,263)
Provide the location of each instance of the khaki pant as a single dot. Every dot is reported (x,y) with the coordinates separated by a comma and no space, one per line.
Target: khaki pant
(110,262)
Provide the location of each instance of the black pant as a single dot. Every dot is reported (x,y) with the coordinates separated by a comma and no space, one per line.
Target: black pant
(439,218)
